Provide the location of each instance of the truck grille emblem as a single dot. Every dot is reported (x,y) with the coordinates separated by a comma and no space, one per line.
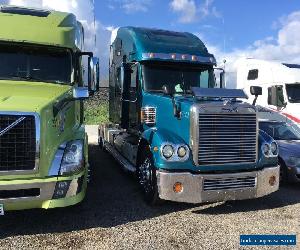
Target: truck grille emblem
(15,123)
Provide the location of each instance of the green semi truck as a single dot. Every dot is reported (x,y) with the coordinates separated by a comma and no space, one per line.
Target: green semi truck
(43,144)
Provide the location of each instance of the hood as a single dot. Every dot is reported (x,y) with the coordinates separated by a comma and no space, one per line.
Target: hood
(28,96)
(291,147)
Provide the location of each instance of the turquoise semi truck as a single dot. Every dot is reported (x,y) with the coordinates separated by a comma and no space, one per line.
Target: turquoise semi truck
(43,144)
(186,139)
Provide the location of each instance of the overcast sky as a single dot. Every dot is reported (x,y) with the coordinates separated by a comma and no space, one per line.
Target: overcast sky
(268,29)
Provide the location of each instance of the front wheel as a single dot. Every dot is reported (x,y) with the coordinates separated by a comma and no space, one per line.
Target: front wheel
(146,173)
(283,173)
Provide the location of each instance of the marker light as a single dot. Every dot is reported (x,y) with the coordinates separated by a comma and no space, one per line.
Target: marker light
(194,58)
(183,57)
(151,55)
(178,187)
(173,56)
(272,180)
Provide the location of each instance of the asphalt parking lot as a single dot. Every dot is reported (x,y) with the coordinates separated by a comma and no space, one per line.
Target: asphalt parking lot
(114,216)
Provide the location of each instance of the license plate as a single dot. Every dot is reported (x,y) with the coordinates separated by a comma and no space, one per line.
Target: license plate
(1,209)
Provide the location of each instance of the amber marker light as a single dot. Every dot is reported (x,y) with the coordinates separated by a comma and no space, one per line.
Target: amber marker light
(272,180)
(178,187)
(155,149)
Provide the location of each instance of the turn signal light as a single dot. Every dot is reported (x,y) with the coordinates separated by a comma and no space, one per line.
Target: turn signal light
(178,187)
(272,180)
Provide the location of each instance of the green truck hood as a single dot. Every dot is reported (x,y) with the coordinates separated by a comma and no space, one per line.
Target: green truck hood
(28,96)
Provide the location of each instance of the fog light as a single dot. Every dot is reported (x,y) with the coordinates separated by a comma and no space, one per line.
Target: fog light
(178,187)
(272,180)
(61,189)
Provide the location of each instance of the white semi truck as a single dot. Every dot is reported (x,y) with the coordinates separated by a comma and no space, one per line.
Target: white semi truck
(280,84)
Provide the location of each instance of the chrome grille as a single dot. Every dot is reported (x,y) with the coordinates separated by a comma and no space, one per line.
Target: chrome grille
(148,115)
(229,183)
(17,142)
(227,139)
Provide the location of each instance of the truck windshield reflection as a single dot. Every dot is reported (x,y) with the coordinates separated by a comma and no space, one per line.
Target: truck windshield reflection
(35,64)
(179,77)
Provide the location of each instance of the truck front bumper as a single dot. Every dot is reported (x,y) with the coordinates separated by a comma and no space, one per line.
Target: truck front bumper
(200,188)
(42,193)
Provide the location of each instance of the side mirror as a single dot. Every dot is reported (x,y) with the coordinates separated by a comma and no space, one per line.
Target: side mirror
(80,93)
(167,90)
(256,91)
(276,96)
(221,77)
(94,75)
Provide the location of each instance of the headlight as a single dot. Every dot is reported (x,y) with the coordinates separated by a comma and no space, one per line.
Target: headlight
(168,151)
(73,158)
(293,161)
(182,151)
(266,149)
(274,148)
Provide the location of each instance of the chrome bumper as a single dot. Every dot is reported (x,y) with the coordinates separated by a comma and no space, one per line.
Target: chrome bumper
(47,190)
(194,192)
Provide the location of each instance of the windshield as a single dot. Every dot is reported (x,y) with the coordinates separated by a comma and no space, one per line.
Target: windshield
(178,76)
(293,92)
(280,130)
(35,64)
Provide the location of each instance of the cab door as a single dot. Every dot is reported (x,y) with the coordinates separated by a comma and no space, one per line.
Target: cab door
(134,108)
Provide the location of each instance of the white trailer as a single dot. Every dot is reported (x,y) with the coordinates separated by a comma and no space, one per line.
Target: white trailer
(280,84)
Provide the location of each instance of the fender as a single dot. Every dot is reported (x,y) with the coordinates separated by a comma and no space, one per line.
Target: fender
(154,138)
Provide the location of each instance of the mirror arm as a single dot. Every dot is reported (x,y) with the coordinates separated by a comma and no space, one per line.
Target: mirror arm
(254,101)
(176,109)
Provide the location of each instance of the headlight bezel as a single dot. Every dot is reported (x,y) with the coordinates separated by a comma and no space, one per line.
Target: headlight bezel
(269,152)
(175,157)
(67,167)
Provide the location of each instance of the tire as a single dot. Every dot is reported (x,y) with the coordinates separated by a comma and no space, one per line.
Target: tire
(146,174)
(101,144)
(283,178)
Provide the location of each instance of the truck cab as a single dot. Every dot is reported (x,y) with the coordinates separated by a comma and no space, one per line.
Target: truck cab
(43,144)
(186,139)
(280,84)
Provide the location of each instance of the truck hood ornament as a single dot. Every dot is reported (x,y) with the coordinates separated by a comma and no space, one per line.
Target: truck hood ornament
(15,123)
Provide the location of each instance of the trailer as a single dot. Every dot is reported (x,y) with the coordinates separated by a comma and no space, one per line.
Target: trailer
(43,144)
(184,138)
(280,84)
